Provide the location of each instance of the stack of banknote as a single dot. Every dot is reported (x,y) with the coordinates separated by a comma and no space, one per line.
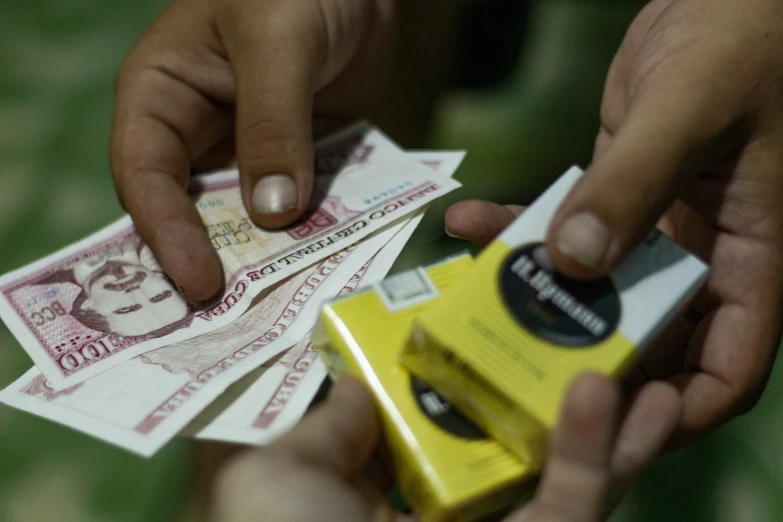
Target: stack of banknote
(121,356)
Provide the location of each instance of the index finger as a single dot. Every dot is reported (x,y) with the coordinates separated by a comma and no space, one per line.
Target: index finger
(165,217)
(160,123)
(479,221)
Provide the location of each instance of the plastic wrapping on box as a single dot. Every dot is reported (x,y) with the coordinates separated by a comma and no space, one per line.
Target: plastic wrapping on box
(447,468)
(510,336)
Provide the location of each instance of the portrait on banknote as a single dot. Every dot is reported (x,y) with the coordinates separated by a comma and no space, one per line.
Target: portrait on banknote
(123,291)
(104,300)
(115,289)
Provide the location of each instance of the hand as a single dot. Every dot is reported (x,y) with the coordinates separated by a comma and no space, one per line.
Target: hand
(259,77)
(691,137)
(317,471)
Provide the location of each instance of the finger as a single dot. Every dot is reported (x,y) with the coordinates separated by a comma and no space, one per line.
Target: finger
(479,221)
(220,156)
(664,358)
(160,122)
(282,53)
(652,417)
(273,49)
(379,473)
(339,434)
(730,356)
(210,458)
(671,128)
(577,474)
(379,507)
(602,142)
(164,214)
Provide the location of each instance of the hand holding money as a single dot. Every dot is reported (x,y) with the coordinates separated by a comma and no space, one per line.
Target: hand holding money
(148,399)
(211,78)
(105,299)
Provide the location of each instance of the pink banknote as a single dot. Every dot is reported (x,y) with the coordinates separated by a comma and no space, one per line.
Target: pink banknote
(142,403)
(269,402)
(105,299)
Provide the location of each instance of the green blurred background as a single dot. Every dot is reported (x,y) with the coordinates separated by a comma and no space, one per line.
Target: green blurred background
(516,84)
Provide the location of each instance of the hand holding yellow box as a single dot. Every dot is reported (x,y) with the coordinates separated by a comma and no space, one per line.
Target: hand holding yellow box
(505,342)
(447,468)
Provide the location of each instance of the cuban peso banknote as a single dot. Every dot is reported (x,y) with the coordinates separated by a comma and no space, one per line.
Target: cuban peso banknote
(141,404)
(267,403)
(105,300)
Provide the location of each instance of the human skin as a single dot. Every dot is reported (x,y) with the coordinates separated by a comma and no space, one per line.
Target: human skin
(323,469)
(691,138)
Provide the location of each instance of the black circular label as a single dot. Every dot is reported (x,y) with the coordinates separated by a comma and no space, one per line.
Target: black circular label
(558,309)
(442,413)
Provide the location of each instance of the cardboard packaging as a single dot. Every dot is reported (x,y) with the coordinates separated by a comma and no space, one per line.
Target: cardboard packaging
(504,343)
(447,468)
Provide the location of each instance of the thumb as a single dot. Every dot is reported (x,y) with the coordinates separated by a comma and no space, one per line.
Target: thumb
(340,434)
(670,132)
(577,476)
(274,54)
(615,204)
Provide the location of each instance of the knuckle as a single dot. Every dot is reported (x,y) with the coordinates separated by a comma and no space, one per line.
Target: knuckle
(630,462)
(168,226)
(545,511)
(126,69)
(237,495)
(342,440)
(121,78)
(268,141)
(251,464)
(268,130)
(124,161)
(234,469)
(231,484)
(245,21)
(749,399)
(121,193)
(233,475)
(132,63)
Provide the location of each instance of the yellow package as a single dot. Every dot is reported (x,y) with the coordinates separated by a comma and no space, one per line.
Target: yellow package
(447,468)
(505,342)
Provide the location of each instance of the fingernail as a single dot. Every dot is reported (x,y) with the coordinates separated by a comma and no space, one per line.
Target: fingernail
(274,194)
(584,239)
(452,234)
(188,300)
(542,259)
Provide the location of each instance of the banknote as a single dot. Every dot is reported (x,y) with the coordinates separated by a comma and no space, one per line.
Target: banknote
(142,403)
(269,402)
(265,404)
(105,300)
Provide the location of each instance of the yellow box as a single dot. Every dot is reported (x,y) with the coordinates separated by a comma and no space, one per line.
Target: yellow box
(505,342)
(447,468)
